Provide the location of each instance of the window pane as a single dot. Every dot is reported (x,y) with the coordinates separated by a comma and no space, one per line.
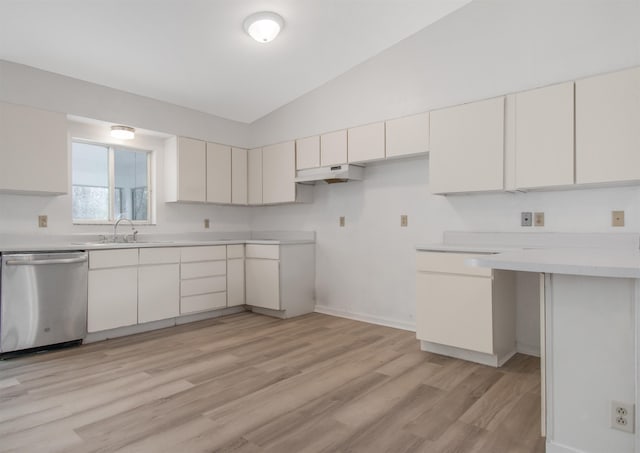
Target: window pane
(90,181)
(132,194)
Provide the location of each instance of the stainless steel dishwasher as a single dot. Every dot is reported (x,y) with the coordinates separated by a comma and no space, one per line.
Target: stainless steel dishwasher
(43,299)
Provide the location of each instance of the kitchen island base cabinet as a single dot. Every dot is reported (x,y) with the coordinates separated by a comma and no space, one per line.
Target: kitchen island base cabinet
(280,279)
(463,312)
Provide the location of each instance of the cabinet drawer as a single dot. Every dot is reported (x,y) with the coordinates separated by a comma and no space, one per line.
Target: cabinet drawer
(162,255)
(235,251)
(455,310)
(449,263)
(204,269)
(203,285)
(270,252)
(203,302)
(206,253)
(101,259)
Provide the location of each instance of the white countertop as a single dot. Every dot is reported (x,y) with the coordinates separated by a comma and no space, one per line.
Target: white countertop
(589,254)
(595,262)
(90,242)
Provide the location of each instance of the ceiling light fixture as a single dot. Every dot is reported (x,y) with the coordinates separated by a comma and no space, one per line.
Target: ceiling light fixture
(123,132)
(264,26)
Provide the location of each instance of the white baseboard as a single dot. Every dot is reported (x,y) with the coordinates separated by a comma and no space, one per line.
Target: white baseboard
(528,349)
(366,318)
(552,447)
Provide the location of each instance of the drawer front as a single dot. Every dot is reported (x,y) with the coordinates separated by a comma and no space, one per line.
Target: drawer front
(206,253)
(455,310)
(102,259)
(270,252)
(161,255)
(202,302)
(203,285)
(448,263)
(204,269)
(235,251)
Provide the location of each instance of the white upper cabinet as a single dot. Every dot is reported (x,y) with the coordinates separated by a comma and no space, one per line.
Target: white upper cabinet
(34,150)
(544,137)
(608,127)
(333,148)
(218,173)
(366,143)
(308,152)
(239,181)
(467,147)
(278,173)
(408,135)
(186,169)
(254,171)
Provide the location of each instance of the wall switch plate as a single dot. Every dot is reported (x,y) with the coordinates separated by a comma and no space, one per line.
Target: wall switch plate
(623,416)
(538,219)
(526,219)
(404,220)
(43,221)
(617,218)
(207,224)
(342,221)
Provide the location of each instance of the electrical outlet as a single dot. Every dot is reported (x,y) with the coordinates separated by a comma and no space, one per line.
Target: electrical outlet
(525,219)
(342,221)
(538,219)
(404,220)
(207,224)
(623,416)
(43,221)
(617,218)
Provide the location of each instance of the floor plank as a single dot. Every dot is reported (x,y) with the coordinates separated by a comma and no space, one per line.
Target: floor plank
(248,383)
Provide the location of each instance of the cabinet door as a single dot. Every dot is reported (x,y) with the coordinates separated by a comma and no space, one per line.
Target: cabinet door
(365,143)
(158,292)
(308,152)
(255,176)
(239,182)
(113,298)
(192,170)
(455,310)
(333,148)
(408,135)
(544,137)
(608,127)
(218,173)
(278,173)
(263,283)
(467,148)
(235,282)
(34,151)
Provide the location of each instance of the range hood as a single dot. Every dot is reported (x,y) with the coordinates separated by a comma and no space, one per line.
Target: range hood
(330,175)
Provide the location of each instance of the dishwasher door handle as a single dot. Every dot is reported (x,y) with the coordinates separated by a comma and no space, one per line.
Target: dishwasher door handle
(42,262)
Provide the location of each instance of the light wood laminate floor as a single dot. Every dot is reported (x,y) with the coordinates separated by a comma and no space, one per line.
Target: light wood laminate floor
(248,383)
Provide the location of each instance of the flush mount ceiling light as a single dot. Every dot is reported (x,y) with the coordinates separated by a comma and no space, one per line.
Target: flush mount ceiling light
(123,132)
(264,26)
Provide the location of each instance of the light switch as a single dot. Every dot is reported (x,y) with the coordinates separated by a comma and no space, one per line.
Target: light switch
(617,218)
(43,221)
(341,221)
(404,220)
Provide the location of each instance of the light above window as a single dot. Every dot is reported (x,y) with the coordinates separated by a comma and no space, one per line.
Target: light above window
(123,132)
(264,26)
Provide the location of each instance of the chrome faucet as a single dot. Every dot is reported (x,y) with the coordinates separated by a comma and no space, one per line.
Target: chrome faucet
(115,229)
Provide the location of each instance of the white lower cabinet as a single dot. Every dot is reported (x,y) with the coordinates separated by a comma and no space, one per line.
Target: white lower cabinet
(203,279)
(158,284)
(280,279)
(113,289)
(235,275)
(462,311)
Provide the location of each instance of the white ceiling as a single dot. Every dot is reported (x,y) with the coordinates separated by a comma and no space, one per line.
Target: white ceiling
(195,53)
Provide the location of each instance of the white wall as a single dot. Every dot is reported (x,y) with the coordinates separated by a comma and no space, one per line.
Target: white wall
(487,48)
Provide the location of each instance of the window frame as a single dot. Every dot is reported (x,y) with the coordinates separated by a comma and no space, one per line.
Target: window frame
(111,148)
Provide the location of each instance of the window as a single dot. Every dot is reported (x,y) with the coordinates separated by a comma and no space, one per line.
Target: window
(110,182)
